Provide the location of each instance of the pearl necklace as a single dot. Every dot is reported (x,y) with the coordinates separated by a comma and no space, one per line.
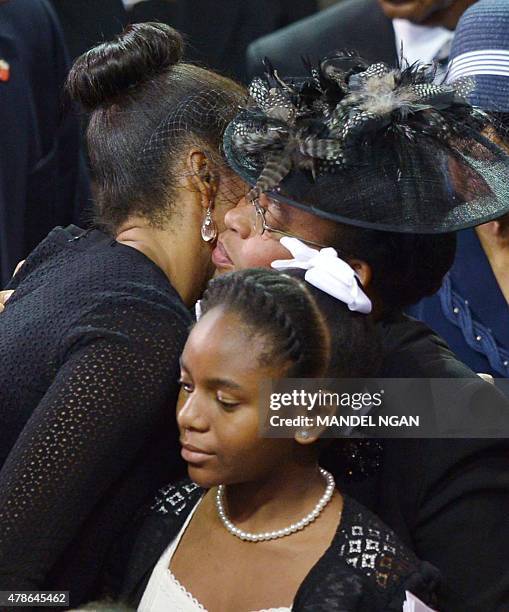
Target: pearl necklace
(279,533)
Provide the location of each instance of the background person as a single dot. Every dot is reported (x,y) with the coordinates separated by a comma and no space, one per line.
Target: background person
(470,311)
(43,178)
(375,28)
(87,23)
(218,33)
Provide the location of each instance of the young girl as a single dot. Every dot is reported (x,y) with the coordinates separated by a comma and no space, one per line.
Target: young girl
(260,525)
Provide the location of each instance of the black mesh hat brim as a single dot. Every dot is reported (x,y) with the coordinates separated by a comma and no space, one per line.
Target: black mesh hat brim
(421,186)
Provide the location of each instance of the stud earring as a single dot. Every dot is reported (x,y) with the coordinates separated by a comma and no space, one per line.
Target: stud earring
(208,227)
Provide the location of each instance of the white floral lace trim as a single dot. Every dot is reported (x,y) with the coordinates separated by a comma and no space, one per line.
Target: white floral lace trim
(200,606)
(274,610)
(189,595)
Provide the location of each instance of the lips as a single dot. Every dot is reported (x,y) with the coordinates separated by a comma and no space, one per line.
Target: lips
(220,257)
(193,454)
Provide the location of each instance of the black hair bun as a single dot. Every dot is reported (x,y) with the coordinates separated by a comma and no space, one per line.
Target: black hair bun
(143,51)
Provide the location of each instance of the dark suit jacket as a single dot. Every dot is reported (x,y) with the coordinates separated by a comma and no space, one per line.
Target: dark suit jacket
(43,180)
(351,24)
(218,33)
(86,23)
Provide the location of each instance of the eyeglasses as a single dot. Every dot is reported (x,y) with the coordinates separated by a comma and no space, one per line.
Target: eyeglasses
(260,225)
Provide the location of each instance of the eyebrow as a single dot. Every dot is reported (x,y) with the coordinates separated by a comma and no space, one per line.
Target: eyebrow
(280,211)
(223,382)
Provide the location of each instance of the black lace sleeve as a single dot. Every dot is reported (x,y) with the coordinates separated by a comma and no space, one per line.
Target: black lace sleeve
(118,376)
(366,569)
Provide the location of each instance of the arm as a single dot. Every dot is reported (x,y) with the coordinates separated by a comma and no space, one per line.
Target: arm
(461,523)
(4,296)
(110,394)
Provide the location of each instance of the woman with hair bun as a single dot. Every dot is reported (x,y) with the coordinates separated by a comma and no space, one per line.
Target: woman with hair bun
(90,339)
(260,526)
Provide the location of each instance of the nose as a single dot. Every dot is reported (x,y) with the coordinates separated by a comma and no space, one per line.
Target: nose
(240,218)
(192,415)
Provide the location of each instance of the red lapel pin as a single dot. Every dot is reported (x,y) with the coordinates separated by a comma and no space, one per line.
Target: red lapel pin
(5,71)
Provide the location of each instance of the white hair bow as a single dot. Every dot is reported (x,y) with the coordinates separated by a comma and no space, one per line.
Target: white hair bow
(197,310)
(327,272)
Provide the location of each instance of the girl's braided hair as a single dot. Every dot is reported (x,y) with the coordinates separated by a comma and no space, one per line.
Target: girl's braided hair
(315,334)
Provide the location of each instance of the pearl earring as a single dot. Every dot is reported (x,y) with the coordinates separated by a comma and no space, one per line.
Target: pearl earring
(208,227)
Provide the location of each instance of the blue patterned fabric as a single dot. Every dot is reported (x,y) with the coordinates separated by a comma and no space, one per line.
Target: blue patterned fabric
(469,311)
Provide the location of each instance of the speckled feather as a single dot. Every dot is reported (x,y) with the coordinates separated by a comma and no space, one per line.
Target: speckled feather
(350,100)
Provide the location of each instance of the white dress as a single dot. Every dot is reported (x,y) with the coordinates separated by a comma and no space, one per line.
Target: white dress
(164,592)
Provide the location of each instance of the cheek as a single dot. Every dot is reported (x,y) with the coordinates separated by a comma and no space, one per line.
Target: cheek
(237,437)
(260,252)
(244,455)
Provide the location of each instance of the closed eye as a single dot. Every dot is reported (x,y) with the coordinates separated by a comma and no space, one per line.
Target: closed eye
(186,386)
(227,404)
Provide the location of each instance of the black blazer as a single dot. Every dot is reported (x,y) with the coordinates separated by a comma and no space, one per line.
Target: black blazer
(352,24)
(43,180)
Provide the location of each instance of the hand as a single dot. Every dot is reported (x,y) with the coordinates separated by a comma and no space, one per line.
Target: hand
(5,295)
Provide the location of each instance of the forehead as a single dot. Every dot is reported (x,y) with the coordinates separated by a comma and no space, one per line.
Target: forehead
(223,346)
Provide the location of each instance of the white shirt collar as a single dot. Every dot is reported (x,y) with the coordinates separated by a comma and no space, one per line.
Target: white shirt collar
(420,43)
(130,3)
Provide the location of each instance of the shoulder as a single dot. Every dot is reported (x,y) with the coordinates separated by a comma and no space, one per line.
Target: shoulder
(102,293)
(152,529)
(316,35)
(91,273)
(366,568)
(176,500)
(375,552)
(336,17)
(367,544)
(412,350)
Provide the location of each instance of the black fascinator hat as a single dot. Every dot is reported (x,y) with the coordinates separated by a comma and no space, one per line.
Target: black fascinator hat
(372,146)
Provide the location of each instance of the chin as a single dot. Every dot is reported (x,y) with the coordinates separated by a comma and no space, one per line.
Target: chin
(410,10)
(203,478)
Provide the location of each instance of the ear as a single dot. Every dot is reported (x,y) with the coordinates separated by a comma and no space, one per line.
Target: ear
(202,177)
(492,228)
(310,434)
(363,270)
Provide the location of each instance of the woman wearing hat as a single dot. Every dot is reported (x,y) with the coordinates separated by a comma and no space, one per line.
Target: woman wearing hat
(384,166)
(471,311)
